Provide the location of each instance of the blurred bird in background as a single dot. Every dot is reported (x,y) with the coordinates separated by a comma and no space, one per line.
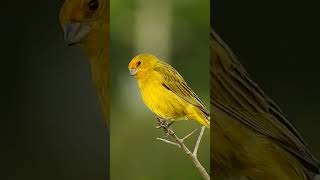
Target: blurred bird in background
(165,92)
(86,23)
(251,138)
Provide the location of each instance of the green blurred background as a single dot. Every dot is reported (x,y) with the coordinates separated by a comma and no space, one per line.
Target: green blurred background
(174,31)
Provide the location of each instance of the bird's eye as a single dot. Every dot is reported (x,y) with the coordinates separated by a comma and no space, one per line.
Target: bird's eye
(93,5)
(138,63)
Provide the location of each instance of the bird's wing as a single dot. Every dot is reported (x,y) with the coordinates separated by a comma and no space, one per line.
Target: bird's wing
(175,83)
(237,95)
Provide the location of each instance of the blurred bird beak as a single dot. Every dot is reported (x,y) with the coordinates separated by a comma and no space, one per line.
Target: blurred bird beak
(133,71)
(74,32)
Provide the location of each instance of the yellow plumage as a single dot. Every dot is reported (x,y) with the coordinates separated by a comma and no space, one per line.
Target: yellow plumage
(165,92)
(86,23)
(251,139)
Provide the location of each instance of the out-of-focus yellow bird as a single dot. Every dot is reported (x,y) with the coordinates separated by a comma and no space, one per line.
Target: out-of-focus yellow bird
(86,23)
(251,139)
(165,92)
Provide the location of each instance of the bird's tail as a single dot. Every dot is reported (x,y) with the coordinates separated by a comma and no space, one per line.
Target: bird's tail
(201,118)
(206,122)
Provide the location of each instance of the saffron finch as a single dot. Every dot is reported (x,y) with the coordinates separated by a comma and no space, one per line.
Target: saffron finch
(165,92)
(251,139)
(86,23)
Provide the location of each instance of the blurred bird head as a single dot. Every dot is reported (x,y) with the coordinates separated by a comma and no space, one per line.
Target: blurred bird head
(141,64)
(83,20)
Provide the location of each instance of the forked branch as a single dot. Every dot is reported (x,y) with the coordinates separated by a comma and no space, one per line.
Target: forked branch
(179,142)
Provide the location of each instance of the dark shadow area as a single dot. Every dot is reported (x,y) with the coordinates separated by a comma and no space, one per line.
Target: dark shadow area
(51,119)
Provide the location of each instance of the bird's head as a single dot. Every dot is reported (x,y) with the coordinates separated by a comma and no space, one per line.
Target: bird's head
(83,20)
(141,64)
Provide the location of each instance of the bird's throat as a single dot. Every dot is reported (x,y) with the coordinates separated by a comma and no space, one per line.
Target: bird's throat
(98,54)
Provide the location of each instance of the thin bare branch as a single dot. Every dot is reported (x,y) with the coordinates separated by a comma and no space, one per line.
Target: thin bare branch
(188,135)
(179,143)
(169,142)
(196,147)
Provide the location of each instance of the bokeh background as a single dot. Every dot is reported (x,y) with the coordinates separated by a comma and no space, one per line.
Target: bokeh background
(52,128)
(178,33)
(278,43)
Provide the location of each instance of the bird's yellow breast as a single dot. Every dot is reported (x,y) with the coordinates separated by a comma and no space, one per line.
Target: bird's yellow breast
(160,100)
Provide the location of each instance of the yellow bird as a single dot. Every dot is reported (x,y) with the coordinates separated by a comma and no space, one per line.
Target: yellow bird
(86,23)
(251,138)
(165,92)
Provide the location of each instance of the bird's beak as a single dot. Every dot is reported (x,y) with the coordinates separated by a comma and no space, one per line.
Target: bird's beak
(133,71)
(74,32)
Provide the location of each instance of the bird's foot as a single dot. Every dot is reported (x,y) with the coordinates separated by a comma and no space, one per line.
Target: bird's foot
(165,126)
(161,124)
(168,132)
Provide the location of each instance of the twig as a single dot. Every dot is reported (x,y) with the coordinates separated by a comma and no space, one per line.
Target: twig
(196,147)
(169,142)
(179,142)
(183,139)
